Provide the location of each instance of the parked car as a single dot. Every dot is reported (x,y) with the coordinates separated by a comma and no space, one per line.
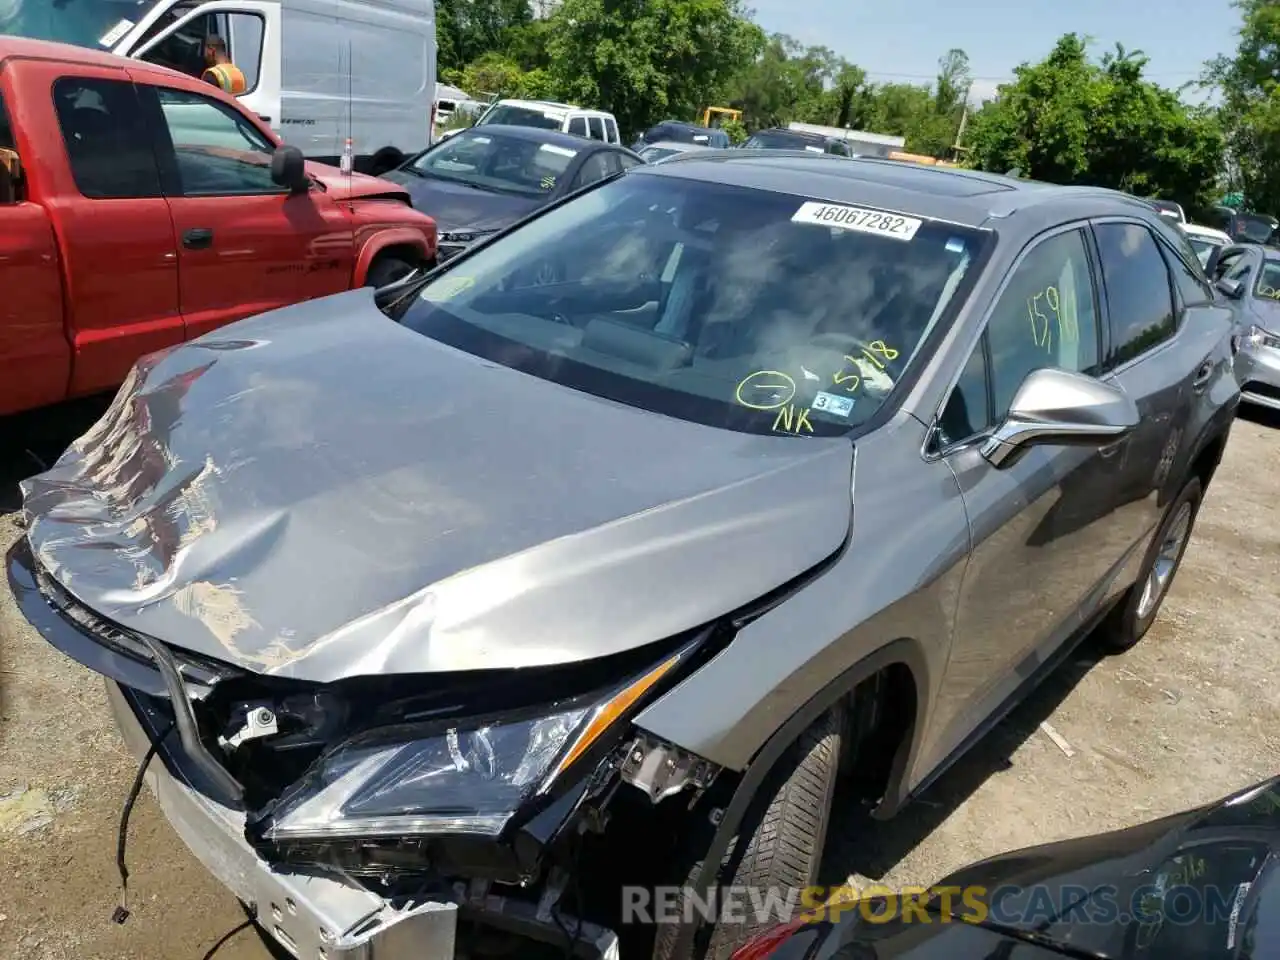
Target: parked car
(140,208)
(781,139)
(303,61)
(449,99)
(1252,228)
(1199,885)
(487,178)
(1205,240)
(1250,275)
(663,150)
(679,131)
(548,115)
(622,535)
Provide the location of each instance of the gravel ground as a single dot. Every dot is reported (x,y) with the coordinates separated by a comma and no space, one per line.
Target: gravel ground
(1187,716)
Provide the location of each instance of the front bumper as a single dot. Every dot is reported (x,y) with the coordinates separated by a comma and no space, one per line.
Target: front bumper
(308,914)
(1258,372)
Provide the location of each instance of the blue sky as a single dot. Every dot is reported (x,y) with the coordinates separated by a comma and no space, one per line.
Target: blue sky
(901,40)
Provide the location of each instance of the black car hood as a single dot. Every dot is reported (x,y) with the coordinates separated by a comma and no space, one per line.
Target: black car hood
(320,492)
(1112,896)
(458,207)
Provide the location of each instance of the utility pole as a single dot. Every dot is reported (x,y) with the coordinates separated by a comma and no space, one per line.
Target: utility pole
(956,148)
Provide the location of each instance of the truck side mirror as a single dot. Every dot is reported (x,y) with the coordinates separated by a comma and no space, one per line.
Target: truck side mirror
(289,169)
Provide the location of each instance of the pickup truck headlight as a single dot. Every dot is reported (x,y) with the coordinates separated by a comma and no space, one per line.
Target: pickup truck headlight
(434,779)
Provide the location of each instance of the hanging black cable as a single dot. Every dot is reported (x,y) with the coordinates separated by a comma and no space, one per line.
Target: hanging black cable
(121,912)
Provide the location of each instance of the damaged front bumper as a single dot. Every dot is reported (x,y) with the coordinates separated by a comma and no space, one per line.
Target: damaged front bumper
(313,913)
(311,916)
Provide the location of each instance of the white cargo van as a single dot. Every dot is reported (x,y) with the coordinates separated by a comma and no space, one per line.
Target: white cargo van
(318,71)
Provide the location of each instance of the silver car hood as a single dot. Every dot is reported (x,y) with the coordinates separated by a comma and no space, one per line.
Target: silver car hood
(319,493)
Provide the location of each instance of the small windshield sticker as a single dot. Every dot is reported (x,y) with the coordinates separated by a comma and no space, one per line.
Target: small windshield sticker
(547,182)
(833,404)
(766,390)
(116,33)
(955,245)
(446,288)
(809,374)
(855,218)
(558,151)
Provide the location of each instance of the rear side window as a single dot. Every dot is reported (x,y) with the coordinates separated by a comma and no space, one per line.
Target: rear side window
(578,126)
(108,144)
(596,125)
(1138,289)
(611,129)
(1193,289)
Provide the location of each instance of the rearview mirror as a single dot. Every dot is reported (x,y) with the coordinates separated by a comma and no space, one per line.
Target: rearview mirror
(1232,288)
(289,169)
(1056,407)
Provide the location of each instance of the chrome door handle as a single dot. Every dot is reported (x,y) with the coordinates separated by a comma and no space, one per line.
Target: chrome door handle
(1202,378)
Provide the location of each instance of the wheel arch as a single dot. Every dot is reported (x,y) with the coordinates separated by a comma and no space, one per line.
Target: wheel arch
(904,665)
(406,243)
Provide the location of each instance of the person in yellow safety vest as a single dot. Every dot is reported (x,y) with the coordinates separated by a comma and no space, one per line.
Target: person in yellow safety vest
(220,71)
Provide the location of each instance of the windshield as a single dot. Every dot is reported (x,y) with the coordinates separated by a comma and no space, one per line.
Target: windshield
(87,23)
(1268,283)
(494,161)
(780,140)
(1254,229)
(651,154)
(521,117)
(753,311)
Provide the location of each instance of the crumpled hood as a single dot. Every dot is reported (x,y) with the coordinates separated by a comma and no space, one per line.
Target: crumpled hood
(458,207)
(319,492)
(354,186)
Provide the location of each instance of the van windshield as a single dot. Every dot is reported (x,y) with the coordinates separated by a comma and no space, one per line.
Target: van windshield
(744,309)
(521,117)
(99,24)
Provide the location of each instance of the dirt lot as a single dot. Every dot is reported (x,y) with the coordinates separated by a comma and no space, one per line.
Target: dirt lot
(1187,716)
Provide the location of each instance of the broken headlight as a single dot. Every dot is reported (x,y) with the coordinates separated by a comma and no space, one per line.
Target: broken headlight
(440,779)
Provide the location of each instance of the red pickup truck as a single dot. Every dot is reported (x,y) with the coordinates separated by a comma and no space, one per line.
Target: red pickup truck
(140,208)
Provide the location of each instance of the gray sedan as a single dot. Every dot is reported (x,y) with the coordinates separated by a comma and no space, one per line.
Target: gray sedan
(559,586)
(1250,275)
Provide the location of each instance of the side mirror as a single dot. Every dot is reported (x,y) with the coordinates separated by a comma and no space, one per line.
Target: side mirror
(289,169)
(1055,407)
(1232,288)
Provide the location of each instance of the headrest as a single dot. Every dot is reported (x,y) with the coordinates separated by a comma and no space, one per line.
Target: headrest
(639,346)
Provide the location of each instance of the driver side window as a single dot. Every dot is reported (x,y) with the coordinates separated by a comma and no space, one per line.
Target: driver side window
(1046,316)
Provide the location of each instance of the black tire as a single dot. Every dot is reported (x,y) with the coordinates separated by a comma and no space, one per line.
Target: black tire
(387,270)
(385,160)
(1132,618)
(780,842)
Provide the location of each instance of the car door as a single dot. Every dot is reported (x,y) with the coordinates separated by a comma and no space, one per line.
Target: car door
(112,219)
(34,354)
(1041,539)
(1166,336)
(246,244)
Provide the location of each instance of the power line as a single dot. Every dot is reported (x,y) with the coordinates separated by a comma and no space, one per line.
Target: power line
(1009,77)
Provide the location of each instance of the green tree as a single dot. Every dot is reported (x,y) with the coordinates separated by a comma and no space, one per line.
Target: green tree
(1249,83)
(1070,120)
(469,29)
(649,59)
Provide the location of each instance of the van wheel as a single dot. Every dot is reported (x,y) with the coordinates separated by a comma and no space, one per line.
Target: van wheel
(385,160)
(779,843)
(387,270)
(1133,616)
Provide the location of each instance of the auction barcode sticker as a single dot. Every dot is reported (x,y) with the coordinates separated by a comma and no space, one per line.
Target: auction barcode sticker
(855,218)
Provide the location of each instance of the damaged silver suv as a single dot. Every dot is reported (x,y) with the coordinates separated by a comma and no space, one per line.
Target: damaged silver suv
(474,609)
